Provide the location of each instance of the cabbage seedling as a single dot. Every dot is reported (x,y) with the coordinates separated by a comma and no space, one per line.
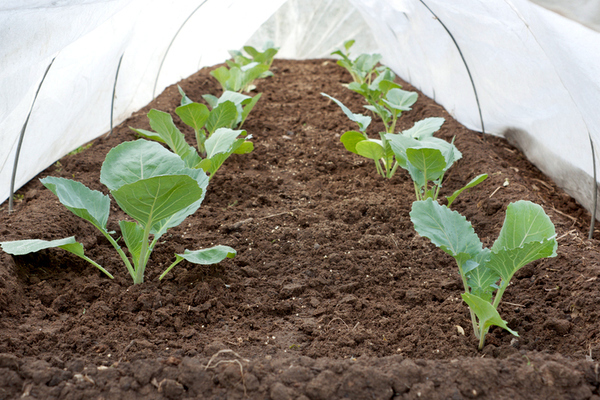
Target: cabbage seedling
(215,137)
(244,70)
(379,150)
(265,57)
(427,158)
(363,68)
(151,185)
(527,235)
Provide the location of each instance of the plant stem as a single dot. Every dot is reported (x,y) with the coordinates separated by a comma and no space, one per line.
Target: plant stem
(438,186)
(393,127)
(178,259)
(394,168)
(379,169)
(96,265)
(417,191)
(499,294)
(120,251)
(481,339)
(144,255)
(473,316)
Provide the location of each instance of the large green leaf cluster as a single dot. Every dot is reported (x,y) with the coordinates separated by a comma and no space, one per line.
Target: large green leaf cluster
(152,185)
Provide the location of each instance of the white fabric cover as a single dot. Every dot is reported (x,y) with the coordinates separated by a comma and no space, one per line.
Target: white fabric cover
(88,38)
(537,72)
(587,12)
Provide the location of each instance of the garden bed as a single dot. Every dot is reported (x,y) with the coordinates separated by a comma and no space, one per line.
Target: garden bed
(332,293)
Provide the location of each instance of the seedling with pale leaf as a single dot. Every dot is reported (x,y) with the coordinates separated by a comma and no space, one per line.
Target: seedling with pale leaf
(527,235)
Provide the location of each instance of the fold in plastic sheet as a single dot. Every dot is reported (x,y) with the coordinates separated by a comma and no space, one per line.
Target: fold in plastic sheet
(87,38)
(537,74)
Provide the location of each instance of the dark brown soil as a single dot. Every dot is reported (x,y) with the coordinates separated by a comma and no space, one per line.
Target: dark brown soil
(332,294)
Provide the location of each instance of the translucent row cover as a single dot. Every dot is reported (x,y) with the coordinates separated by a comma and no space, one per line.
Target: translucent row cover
(535,66)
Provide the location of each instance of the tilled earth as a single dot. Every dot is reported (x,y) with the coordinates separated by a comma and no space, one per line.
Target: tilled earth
(332,293)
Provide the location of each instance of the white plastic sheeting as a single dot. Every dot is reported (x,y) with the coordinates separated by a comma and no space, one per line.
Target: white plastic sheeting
(536,72)
(87,38)
(587,12)
(304,29)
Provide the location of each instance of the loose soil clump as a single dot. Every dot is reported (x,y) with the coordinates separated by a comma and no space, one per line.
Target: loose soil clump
(332,293)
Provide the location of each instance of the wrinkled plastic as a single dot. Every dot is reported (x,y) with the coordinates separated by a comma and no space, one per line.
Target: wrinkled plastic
(87,38)
(537,75)
(537,72)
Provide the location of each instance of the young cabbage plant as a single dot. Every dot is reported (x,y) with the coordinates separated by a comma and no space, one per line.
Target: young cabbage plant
(527,235)
(215,137)
(265,57)
(386,98)
(242,71)
(152,186)
(363,68)
(378,150)
(427,158)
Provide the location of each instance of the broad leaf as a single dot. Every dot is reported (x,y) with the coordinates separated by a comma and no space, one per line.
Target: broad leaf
(222,75)
(424,128)
(249,74)
(486,313)
(248,107)
(211,100)
(212,165)
(365,63)
(193,114)
(474,182)
(88,204)
(208,256)
(525,222)
(445,228)
(245,148)
(351,138)
(131,161)
(157,198)
(20,247)
(221,141)
(480,278)
(160,227)
(363,121)
(400,100)
(370,148)
(235,97)
(148,134)
(239,100)
(508,261)
(223,115)
(385,85)
(399,144)
(449,150)
(430,162)
(163,124)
